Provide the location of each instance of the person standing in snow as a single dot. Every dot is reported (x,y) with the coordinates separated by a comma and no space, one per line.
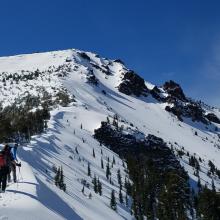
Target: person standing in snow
(12,167)
(6,158)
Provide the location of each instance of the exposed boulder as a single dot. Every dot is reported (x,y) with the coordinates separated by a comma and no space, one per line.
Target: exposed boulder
(132,84)
(213,118)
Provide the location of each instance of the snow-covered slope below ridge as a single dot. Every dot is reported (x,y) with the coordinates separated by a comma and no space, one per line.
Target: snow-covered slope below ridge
(35,193)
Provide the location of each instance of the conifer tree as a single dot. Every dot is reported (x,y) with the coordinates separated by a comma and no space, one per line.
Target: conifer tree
(121,197)
(113,203)
(108,120)
(93,153)
(95,185)
(199,183)
(113,160)
(119,178)
(102,164)
(108,173)
(208,204)
(57,177)
(62,185)
(126,200)
(99,187)
(61,177)
(89,170)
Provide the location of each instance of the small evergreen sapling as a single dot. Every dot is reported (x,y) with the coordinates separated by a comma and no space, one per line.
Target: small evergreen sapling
(121,200)
(89,170)
(113,203)
(102,164)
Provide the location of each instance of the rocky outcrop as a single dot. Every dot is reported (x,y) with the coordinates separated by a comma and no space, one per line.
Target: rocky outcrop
(156,93)
(213,118)
(84,56)
(132,84)
(91,78)
(189,110)
(175,91)
(119,61)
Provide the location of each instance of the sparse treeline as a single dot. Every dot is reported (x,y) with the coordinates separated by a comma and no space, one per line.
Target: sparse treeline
(29,115)
(160,186)
(22,122)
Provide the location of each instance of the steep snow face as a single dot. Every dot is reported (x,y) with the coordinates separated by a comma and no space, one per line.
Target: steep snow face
(72,128)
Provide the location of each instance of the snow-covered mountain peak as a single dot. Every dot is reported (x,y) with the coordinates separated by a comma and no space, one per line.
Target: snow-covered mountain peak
(101,114)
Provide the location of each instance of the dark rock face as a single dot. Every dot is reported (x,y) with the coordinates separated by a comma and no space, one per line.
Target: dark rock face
(195,112)
(175,110)
(91,78)
(133,85)
(119,61)
(155,92)
(84,56)
(183,107)
(174,90)
(190,110)
(104,68)
(213,118)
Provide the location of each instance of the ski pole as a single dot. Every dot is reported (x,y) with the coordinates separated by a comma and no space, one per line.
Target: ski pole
(20,174)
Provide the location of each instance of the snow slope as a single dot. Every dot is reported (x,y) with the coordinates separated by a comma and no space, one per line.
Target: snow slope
(36,195)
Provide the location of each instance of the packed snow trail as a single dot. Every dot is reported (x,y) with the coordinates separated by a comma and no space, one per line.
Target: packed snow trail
(31,199)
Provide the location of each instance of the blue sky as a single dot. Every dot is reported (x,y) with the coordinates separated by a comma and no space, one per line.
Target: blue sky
(160,40)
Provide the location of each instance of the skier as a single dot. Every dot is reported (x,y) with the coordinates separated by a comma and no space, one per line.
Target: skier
(12,167)
(5,159)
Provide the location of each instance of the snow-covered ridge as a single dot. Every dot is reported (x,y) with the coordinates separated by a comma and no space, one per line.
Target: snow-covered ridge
(93,82)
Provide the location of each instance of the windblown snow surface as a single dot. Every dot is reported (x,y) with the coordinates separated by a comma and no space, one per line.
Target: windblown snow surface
(35,196)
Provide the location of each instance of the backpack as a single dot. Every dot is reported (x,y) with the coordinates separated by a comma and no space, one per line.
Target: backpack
(3,161)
